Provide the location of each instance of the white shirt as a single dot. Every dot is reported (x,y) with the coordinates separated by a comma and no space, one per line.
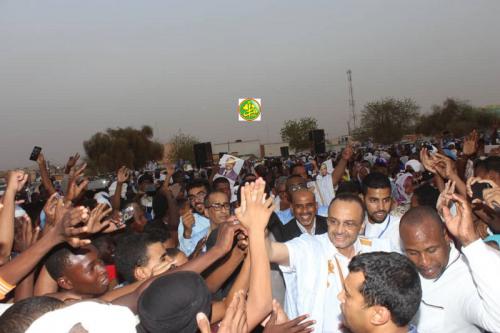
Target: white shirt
(389,229)
(312,279)
(465,296)
(304,230)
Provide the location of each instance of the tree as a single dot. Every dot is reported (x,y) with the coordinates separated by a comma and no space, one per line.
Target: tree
(109,150)
(387,120)
(456,116)
(296,132)
(182,146)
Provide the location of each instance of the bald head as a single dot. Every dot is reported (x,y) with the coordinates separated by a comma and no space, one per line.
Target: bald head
(424,239)
(304,207)
(418,216)
(301,193)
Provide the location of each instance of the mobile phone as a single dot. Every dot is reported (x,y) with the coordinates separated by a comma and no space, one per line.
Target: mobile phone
(477,190)
(34,153)
(127,213)
(98,184)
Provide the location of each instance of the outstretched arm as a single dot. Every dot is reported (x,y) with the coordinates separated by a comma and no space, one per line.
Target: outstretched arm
(481,308)
(254,214)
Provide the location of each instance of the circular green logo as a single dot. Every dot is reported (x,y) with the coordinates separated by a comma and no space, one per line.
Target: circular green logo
(249,109)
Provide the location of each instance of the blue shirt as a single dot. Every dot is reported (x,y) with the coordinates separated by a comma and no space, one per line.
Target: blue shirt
(200,229)
(323,210)
(285,215)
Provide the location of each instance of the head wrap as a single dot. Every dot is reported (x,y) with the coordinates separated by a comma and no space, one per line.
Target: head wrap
(415,165)
(401,196)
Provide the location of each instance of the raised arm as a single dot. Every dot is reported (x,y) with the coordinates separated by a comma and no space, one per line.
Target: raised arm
(121,177)
(173,215)
(483,308)
(254,214)
(63,230)
(339,170)
(44,174)
(223,245)
(15,182)
(220,274)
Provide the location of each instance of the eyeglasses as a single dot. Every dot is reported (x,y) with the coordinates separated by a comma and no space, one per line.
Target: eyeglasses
(219,206)
(200,196)
(297,187)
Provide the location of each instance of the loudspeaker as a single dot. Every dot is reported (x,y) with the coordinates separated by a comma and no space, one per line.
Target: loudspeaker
(284,151)
(318,139)
(203,154)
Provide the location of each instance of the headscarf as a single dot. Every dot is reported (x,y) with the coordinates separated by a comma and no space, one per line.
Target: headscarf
(171,302)
(401,196)
(415,165)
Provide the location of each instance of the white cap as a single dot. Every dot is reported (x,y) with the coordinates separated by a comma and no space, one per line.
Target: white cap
(415,165)
(94,317)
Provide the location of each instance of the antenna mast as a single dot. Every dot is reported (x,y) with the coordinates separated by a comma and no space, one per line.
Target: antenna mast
(351,97)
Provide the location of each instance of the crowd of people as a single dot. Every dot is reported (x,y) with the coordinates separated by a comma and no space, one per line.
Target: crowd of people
(393,239)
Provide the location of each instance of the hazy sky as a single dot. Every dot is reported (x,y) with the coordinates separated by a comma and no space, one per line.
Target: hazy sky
(71,68)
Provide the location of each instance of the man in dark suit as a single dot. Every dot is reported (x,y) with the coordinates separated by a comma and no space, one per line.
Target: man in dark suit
(304,208)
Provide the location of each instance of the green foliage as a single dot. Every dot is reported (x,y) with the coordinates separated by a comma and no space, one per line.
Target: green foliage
(109,150)
(296,132)
(182,147)
(387,120)
(456,116)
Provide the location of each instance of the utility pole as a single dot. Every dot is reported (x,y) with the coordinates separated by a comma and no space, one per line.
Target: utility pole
(351,97)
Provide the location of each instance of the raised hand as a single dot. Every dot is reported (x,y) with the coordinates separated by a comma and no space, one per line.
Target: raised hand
(491,197)
(70,224)
(347,152)
(27,236)
(445,166)
(461,226)
(40,160)
(75,189)
(122,175)
(50,209)
(471,181)
(235,319)
(170,169)
(72,162)
(255,209)
(443,199)
(427,160)
(96,224)
(16,180)
(226,234)
(470,144)
(188,223)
